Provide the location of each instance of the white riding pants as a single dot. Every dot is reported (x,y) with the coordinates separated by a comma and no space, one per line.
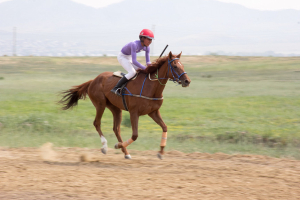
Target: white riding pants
(126,62)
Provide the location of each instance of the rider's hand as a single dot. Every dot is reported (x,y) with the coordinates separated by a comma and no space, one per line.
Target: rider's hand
(141,71)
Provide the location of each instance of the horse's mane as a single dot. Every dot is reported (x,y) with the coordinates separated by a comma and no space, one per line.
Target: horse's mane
(155,65)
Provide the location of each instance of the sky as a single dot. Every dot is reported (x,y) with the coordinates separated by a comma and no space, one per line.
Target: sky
(255,4)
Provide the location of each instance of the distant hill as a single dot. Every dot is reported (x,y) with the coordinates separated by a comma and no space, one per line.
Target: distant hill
(193,26)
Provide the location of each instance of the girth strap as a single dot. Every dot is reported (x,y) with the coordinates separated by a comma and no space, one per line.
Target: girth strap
(123,89)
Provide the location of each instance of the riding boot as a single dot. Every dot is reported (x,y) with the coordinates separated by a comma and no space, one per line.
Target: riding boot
(122,81)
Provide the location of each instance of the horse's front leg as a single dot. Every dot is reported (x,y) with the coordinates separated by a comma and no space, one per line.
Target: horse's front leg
(157,118)
(134,118)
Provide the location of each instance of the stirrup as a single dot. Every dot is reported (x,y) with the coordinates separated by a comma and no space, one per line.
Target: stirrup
(116,91)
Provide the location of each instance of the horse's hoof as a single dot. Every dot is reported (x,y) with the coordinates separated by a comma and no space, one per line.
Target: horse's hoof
(117,146)
(103,150)
(128,156)
(160,156)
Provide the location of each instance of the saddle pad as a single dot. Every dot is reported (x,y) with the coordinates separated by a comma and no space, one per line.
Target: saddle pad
(118,74)
(121,74)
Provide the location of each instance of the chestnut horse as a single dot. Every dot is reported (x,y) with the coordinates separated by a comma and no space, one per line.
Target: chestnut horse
(149,84)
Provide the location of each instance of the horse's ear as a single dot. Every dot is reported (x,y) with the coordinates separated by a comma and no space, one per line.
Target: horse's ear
(178,56)
(170,55)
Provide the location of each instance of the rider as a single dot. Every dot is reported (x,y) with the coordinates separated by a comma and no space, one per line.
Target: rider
(127,57)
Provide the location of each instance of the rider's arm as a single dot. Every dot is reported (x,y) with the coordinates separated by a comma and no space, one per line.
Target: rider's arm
(133,54)
(147,55)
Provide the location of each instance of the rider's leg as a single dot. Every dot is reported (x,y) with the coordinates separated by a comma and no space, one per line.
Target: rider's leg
(125,61)
(122,81)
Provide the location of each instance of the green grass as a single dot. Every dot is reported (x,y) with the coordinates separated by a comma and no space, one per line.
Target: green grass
(233,105)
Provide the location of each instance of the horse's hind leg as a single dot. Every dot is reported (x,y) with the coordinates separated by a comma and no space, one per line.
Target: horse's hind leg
(97,123)
(117,114)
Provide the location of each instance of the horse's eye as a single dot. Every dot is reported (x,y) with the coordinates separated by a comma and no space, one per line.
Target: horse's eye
(175,66)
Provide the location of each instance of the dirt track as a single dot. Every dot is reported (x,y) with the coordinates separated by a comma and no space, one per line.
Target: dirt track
(25,174)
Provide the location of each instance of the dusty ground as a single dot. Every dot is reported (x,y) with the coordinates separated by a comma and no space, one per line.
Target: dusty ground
(75,173)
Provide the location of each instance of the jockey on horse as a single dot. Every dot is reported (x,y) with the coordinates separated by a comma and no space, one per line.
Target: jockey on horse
(150,97)
(127,57)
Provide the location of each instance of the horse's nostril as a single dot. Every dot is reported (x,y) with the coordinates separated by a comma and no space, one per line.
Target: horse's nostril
(186,81)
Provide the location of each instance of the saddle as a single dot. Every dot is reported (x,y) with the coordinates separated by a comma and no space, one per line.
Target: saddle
(121,74)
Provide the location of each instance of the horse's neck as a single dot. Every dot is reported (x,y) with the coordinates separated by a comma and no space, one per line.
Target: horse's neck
(160,84)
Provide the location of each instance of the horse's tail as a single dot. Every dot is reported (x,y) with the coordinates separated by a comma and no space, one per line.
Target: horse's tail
(71,96)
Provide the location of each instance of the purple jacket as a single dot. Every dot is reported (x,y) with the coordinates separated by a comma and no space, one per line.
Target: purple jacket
(135,47)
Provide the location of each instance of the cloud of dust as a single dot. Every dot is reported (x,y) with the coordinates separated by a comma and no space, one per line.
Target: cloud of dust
(87,158)
(47,153)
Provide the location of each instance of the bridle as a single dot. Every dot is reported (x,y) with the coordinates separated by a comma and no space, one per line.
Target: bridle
(173,72)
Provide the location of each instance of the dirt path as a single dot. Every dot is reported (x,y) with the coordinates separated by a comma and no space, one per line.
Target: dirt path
(59,174)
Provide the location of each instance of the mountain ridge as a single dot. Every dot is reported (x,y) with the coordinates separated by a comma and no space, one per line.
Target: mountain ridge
(192,25)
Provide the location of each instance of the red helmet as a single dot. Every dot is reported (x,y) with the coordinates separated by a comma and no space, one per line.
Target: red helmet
(147,33)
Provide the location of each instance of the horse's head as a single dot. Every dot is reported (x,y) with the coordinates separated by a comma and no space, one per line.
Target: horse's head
(176,70)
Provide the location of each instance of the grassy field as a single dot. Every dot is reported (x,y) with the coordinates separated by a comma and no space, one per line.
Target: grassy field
(234,105)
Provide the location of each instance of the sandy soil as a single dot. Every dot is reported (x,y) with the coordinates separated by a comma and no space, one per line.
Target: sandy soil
(76,173)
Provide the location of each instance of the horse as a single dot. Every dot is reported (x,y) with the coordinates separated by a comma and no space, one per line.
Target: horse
(149,84)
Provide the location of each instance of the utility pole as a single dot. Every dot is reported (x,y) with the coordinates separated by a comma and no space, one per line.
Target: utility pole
(14,41)
(153,30)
